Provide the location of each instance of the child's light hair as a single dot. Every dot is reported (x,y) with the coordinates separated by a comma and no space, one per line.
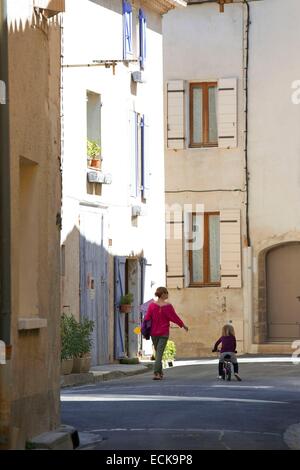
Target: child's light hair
(228,330)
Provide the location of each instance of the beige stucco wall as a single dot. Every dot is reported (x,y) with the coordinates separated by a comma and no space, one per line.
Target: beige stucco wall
(200,44)
(210,45)
(34,68)
(274,139)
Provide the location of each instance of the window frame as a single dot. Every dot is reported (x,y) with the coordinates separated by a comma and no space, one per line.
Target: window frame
(205,113)
(206,255)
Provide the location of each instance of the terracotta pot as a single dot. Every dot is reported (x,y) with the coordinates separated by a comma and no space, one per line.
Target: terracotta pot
(81,364)
(95,163)
(66,366)
(125,308)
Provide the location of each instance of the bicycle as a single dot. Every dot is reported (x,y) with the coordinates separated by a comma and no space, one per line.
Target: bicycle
(227,366)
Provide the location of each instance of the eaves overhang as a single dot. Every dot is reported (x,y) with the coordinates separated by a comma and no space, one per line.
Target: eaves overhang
(163,6)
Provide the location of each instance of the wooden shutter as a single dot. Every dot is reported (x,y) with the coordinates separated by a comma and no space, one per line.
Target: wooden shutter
(133,153)
(230,246)
(175,117)
(174,250)
(227,113)
(145,158)
(127,30)
(142,27)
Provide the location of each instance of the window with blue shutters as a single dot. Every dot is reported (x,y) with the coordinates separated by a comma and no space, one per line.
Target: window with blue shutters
(127,30)
(142,28)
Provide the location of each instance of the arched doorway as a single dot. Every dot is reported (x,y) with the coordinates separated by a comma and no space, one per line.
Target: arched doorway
(283,292)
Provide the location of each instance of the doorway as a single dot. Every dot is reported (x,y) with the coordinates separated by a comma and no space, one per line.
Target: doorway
(283,292)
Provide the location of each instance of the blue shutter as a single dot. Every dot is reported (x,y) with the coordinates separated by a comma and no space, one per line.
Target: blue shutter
(142,27)
(145,158)
(119,327)
(133,149)
(127,30)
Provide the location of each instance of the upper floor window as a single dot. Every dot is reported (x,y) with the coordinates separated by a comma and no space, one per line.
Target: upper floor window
(204,258)
(127,30)
(203,114)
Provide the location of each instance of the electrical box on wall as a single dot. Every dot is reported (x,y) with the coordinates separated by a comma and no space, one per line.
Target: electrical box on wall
(138,76)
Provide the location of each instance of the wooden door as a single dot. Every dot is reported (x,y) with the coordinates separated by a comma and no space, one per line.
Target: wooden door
(283,292)
(93,279)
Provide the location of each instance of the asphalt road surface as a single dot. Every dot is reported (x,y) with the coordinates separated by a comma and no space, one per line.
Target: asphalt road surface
(190,409)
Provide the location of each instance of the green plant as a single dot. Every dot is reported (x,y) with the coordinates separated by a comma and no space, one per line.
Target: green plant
(93,150)
(170,351)
(126,299)
(68,326)
(76,340)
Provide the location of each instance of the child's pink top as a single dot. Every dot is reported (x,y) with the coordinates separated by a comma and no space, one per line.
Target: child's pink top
(161,317)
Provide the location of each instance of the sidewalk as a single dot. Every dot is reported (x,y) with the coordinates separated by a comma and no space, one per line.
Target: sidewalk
(105,372)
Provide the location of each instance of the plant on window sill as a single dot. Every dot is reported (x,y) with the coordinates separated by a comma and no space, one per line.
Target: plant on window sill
(93,154)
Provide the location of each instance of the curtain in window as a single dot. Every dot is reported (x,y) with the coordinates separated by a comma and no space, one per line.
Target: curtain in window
(214,247)
(197,248)
(197,115)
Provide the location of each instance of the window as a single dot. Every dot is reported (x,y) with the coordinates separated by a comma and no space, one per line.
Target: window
(203,115)
(204,258)
(127,31)
(142,28)
(140,169)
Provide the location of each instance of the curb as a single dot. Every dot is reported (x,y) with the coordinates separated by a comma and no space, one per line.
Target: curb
(62,438)
(94,377)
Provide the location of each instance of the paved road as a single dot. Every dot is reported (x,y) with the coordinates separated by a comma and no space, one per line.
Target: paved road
(190,409)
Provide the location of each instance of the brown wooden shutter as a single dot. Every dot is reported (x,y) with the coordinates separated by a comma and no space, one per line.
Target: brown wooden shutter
(227,113)
(175,115)
(230,247)
(174,250)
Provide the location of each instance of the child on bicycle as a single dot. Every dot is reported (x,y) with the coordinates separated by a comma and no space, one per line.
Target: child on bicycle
(228,347)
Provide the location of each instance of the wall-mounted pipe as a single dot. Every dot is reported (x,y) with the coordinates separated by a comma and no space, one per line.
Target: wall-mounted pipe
(5,204)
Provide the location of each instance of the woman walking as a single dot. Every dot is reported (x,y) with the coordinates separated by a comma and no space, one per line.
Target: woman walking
(161,313)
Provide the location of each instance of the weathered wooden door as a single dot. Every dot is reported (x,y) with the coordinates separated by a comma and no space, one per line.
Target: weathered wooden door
(93,279)
(283,292)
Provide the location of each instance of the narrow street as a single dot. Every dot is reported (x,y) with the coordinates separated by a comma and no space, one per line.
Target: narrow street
(190,409)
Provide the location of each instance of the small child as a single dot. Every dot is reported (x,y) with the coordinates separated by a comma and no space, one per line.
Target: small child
(228,348)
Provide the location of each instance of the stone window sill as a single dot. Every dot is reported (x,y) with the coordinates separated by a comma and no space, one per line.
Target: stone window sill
(34,323)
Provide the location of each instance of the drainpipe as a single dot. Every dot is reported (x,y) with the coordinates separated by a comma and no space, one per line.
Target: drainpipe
(5,229)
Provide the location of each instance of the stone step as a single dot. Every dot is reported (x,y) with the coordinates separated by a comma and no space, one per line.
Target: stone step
(272,348)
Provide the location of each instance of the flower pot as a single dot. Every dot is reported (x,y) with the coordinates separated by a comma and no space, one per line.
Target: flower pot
(66,366)
(95,163)
(81,364)
(125,308)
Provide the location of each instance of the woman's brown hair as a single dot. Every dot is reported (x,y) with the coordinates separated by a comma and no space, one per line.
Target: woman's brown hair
(228,330)
(160,291)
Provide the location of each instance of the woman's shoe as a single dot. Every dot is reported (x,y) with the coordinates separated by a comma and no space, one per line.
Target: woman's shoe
(238,377)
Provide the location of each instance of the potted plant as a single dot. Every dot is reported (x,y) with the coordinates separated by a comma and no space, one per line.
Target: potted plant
(93,153)
(169,354)
(126,303)
(82,346)
(67,331)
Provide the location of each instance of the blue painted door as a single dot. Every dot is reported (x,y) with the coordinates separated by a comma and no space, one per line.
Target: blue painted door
(93,279)
(119,328)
